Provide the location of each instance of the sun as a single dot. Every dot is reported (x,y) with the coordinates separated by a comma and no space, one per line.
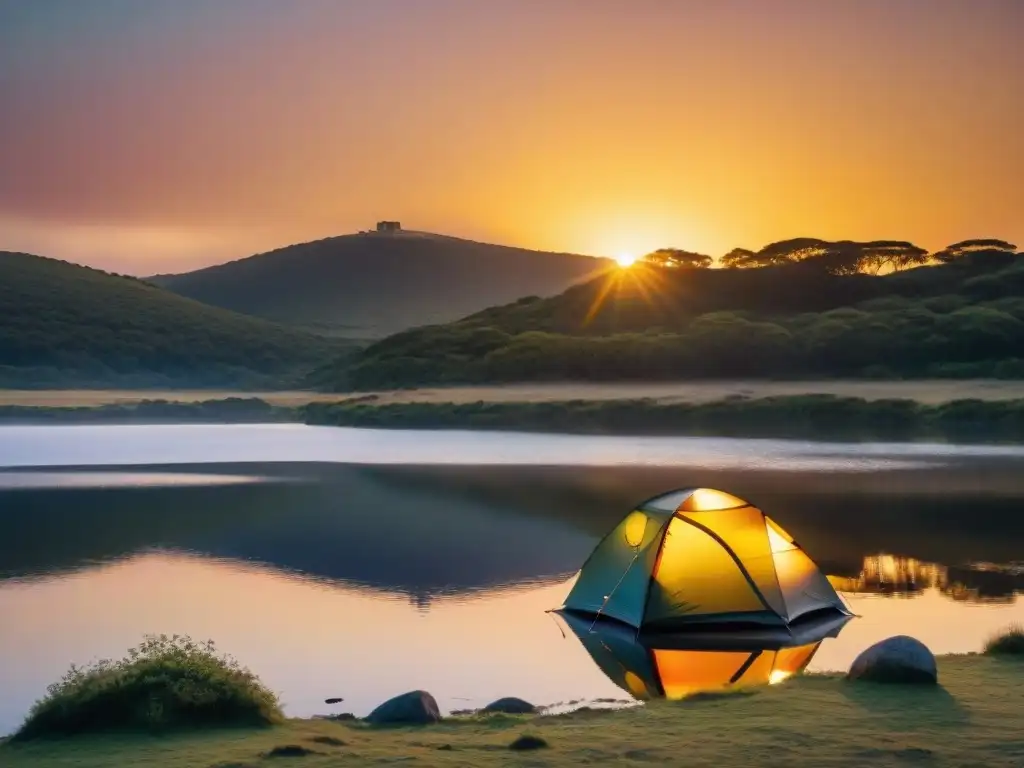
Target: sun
(625,260)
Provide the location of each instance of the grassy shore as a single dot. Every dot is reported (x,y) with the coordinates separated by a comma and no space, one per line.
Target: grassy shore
(929,391)
(814,417)
(810,417)
(972,719)
(231,411)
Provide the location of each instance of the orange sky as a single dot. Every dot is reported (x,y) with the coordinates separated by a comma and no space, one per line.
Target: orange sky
(165,135)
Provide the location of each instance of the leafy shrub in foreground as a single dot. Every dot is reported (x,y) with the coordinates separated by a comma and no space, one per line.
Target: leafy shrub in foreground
(1007,643)
(166,682)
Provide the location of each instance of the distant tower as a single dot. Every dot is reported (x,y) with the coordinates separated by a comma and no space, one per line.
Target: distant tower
(389,227)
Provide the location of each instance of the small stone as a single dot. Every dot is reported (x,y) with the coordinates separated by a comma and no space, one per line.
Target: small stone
(510,706)
(413,708)
(290,750)
(899,659)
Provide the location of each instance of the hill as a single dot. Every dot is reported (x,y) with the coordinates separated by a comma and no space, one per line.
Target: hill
(785,321)
(67,325)
(372,284)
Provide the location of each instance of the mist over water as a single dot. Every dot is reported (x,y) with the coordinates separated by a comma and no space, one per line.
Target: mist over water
(126,445)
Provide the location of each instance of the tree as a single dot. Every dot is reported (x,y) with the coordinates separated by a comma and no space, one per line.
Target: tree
(977,252)
(675,258)
(891,255)
(844,258)
(841,257)
(793,250)
(739,258)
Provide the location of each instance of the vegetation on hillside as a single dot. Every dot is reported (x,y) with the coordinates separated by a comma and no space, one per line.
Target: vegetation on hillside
(800,417)
(369,285)
(960,317)
(164,683)
(65,325)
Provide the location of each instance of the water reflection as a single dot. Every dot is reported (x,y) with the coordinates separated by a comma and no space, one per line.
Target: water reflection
(678,666)
(368,581)
(904,577)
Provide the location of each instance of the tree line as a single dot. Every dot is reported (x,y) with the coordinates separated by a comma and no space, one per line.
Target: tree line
(842,257)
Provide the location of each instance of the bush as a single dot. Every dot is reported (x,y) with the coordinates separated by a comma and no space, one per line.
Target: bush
(1007,643)
(166,682)
(796,416)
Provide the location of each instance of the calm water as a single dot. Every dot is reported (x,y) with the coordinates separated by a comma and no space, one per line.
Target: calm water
(362,564)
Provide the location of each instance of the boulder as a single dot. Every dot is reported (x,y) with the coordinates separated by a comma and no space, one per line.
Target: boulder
(413,708)
(510,705)
(899,659)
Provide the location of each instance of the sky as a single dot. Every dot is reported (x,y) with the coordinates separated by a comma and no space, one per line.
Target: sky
(165,135)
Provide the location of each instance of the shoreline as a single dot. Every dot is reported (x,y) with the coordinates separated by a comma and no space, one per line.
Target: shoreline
(977,698)
(926,391)
(817,417)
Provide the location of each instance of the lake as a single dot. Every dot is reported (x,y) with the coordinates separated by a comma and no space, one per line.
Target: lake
(362,563)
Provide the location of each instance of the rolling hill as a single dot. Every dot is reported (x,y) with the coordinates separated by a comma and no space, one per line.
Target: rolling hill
(371,284)
(788,321)
(67,325)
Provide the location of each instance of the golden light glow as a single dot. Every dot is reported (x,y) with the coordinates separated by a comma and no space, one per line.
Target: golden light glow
(778,675)
(635,527)
(708,500)
(625,260)
(779,540)
(227,160)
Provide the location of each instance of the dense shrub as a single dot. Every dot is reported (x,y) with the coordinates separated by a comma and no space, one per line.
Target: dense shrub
(166,682)
(802,416)
(1007,643)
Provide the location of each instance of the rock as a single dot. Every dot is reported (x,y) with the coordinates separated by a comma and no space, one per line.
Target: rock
(899,659)
(510,706)
(290,750)
(413,708)
(524,743)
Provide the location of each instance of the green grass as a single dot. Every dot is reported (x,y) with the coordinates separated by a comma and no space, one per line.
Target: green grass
(1007,643)
(164,683)
(972,719)
(800,416)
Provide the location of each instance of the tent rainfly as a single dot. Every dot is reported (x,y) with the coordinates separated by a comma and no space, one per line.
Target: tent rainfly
(701,557)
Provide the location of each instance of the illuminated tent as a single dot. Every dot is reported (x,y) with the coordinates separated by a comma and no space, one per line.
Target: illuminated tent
(675,667)
(700,556)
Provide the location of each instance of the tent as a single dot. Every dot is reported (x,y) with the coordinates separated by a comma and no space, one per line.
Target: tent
(680,666)
(701,557)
